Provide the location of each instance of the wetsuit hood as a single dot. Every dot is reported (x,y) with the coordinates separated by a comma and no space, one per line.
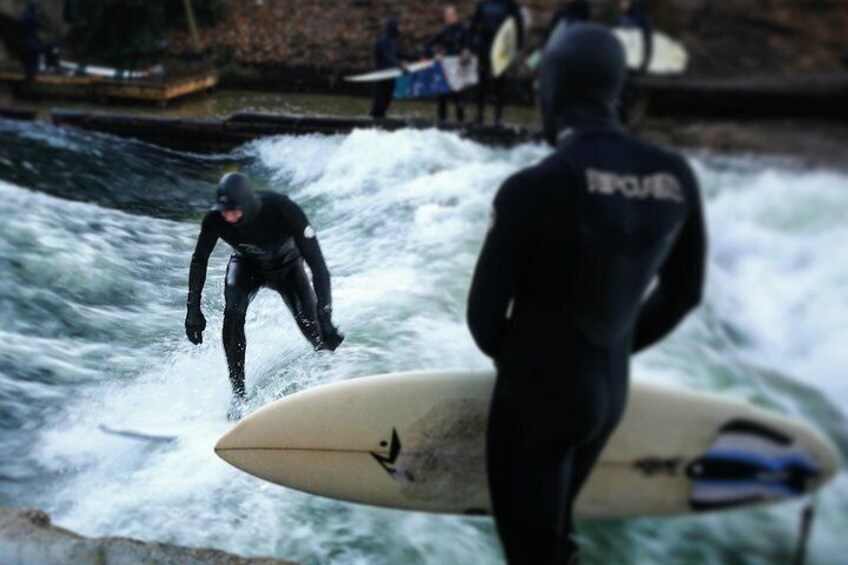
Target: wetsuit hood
(583,71)
(236,192)
(392,27)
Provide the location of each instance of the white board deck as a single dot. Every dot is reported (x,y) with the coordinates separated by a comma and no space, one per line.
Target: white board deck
(417,441)
(669,56)
(504,47)
(387,74)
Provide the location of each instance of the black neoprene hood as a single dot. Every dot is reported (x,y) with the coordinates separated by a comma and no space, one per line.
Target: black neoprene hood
(235,192)
(583,71)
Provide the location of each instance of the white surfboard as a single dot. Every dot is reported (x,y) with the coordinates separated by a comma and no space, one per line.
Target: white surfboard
(504,47)
(461,72)
(669,56)
(108,72)
(387,74)
(417,441)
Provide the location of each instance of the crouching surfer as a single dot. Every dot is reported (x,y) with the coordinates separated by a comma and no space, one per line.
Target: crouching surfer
(271,237)
(562,295)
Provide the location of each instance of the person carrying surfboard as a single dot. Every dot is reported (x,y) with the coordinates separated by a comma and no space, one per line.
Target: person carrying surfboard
(488,18)
(632,16)
(271,237)
(593,254)
(387,55)
(452,40)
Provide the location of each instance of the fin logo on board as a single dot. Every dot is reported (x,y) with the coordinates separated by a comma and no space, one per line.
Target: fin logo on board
(389,463)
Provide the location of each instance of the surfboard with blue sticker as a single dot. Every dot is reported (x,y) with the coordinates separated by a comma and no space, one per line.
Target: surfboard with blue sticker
(428,82)
(417,441)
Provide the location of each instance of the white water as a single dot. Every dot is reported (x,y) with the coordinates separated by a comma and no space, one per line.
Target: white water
(400,217)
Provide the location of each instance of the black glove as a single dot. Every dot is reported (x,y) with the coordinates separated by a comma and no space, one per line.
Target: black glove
(330,336)
(195,323)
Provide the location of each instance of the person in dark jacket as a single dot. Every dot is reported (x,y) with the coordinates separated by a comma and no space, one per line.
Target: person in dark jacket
(569,12)
(271,237)
(593,254)
(633,17)
(32,47)
(386,56)
(453,40)
(487,20)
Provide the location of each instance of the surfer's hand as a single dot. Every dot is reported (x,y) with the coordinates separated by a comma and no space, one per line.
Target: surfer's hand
(330,336)
(195,323)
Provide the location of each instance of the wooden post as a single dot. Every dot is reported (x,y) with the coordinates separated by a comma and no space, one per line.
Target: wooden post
(192,26)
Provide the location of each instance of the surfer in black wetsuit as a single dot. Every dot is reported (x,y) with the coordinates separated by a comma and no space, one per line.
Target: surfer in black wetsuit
(570,12)
(487,20)
(633,17)
(562,294)
(386,56)
(452,40)
(271,237)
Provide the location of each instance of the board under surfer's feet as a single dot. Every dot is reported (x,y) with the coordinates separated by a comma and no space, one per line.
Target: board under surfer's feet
(236,409)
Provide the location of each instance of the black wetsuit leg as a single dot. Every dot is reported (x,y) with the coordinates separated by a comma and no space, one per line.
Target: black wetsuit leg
(294,287)
(528,479)
(242,284)
(484,78)
(550,418)
(443,107)
(498,86)
(383,92)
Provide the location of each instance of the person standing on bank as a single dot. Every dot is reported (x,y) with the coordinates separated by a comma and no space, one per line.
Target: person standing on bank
(487,20)
(386,56)
(562,294)
(271,237)
(453,40)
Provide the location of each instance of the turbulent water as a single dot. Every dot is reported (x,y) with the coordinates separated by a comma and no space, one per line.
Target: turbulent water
(94,246)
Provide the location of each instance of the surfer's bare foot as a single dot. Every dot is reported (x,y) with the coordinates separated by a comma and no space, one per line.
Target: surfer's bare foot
(234,413)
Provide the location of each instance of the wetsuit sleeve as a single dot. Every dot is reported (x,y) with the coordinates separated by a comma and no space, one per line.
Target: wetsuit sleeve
(681,278)
(498,269)
(200,259)
(307,244)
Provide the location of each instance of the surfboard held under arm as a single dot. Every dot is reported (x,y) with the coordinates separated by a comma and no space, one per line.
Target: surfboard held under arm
(417,441)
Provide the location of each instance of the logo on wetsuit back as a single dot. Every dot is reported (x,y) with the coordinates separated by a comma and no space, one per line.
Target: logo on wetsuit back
(661,186)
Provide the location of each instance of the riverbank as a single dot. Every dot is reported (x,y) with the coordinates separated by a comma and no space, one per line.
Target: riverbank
(231,117)
(27,536)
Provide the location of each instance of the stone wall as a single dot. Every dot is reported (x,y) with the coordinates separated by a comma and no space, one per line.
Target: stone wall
(725,37)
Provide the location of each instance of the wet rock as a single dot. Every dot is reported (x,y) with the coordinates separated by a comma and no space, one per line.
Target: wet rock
(27,537)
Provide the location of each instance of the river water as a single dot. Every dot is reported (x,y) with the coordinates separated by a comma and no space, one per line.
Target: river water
(94,248)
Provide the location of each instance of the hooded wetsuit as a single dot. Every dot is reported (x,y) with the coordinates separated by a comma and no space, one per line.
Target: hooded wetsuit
(635,18)
(386,56)
(562,295)
(487,20)
(270,243)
